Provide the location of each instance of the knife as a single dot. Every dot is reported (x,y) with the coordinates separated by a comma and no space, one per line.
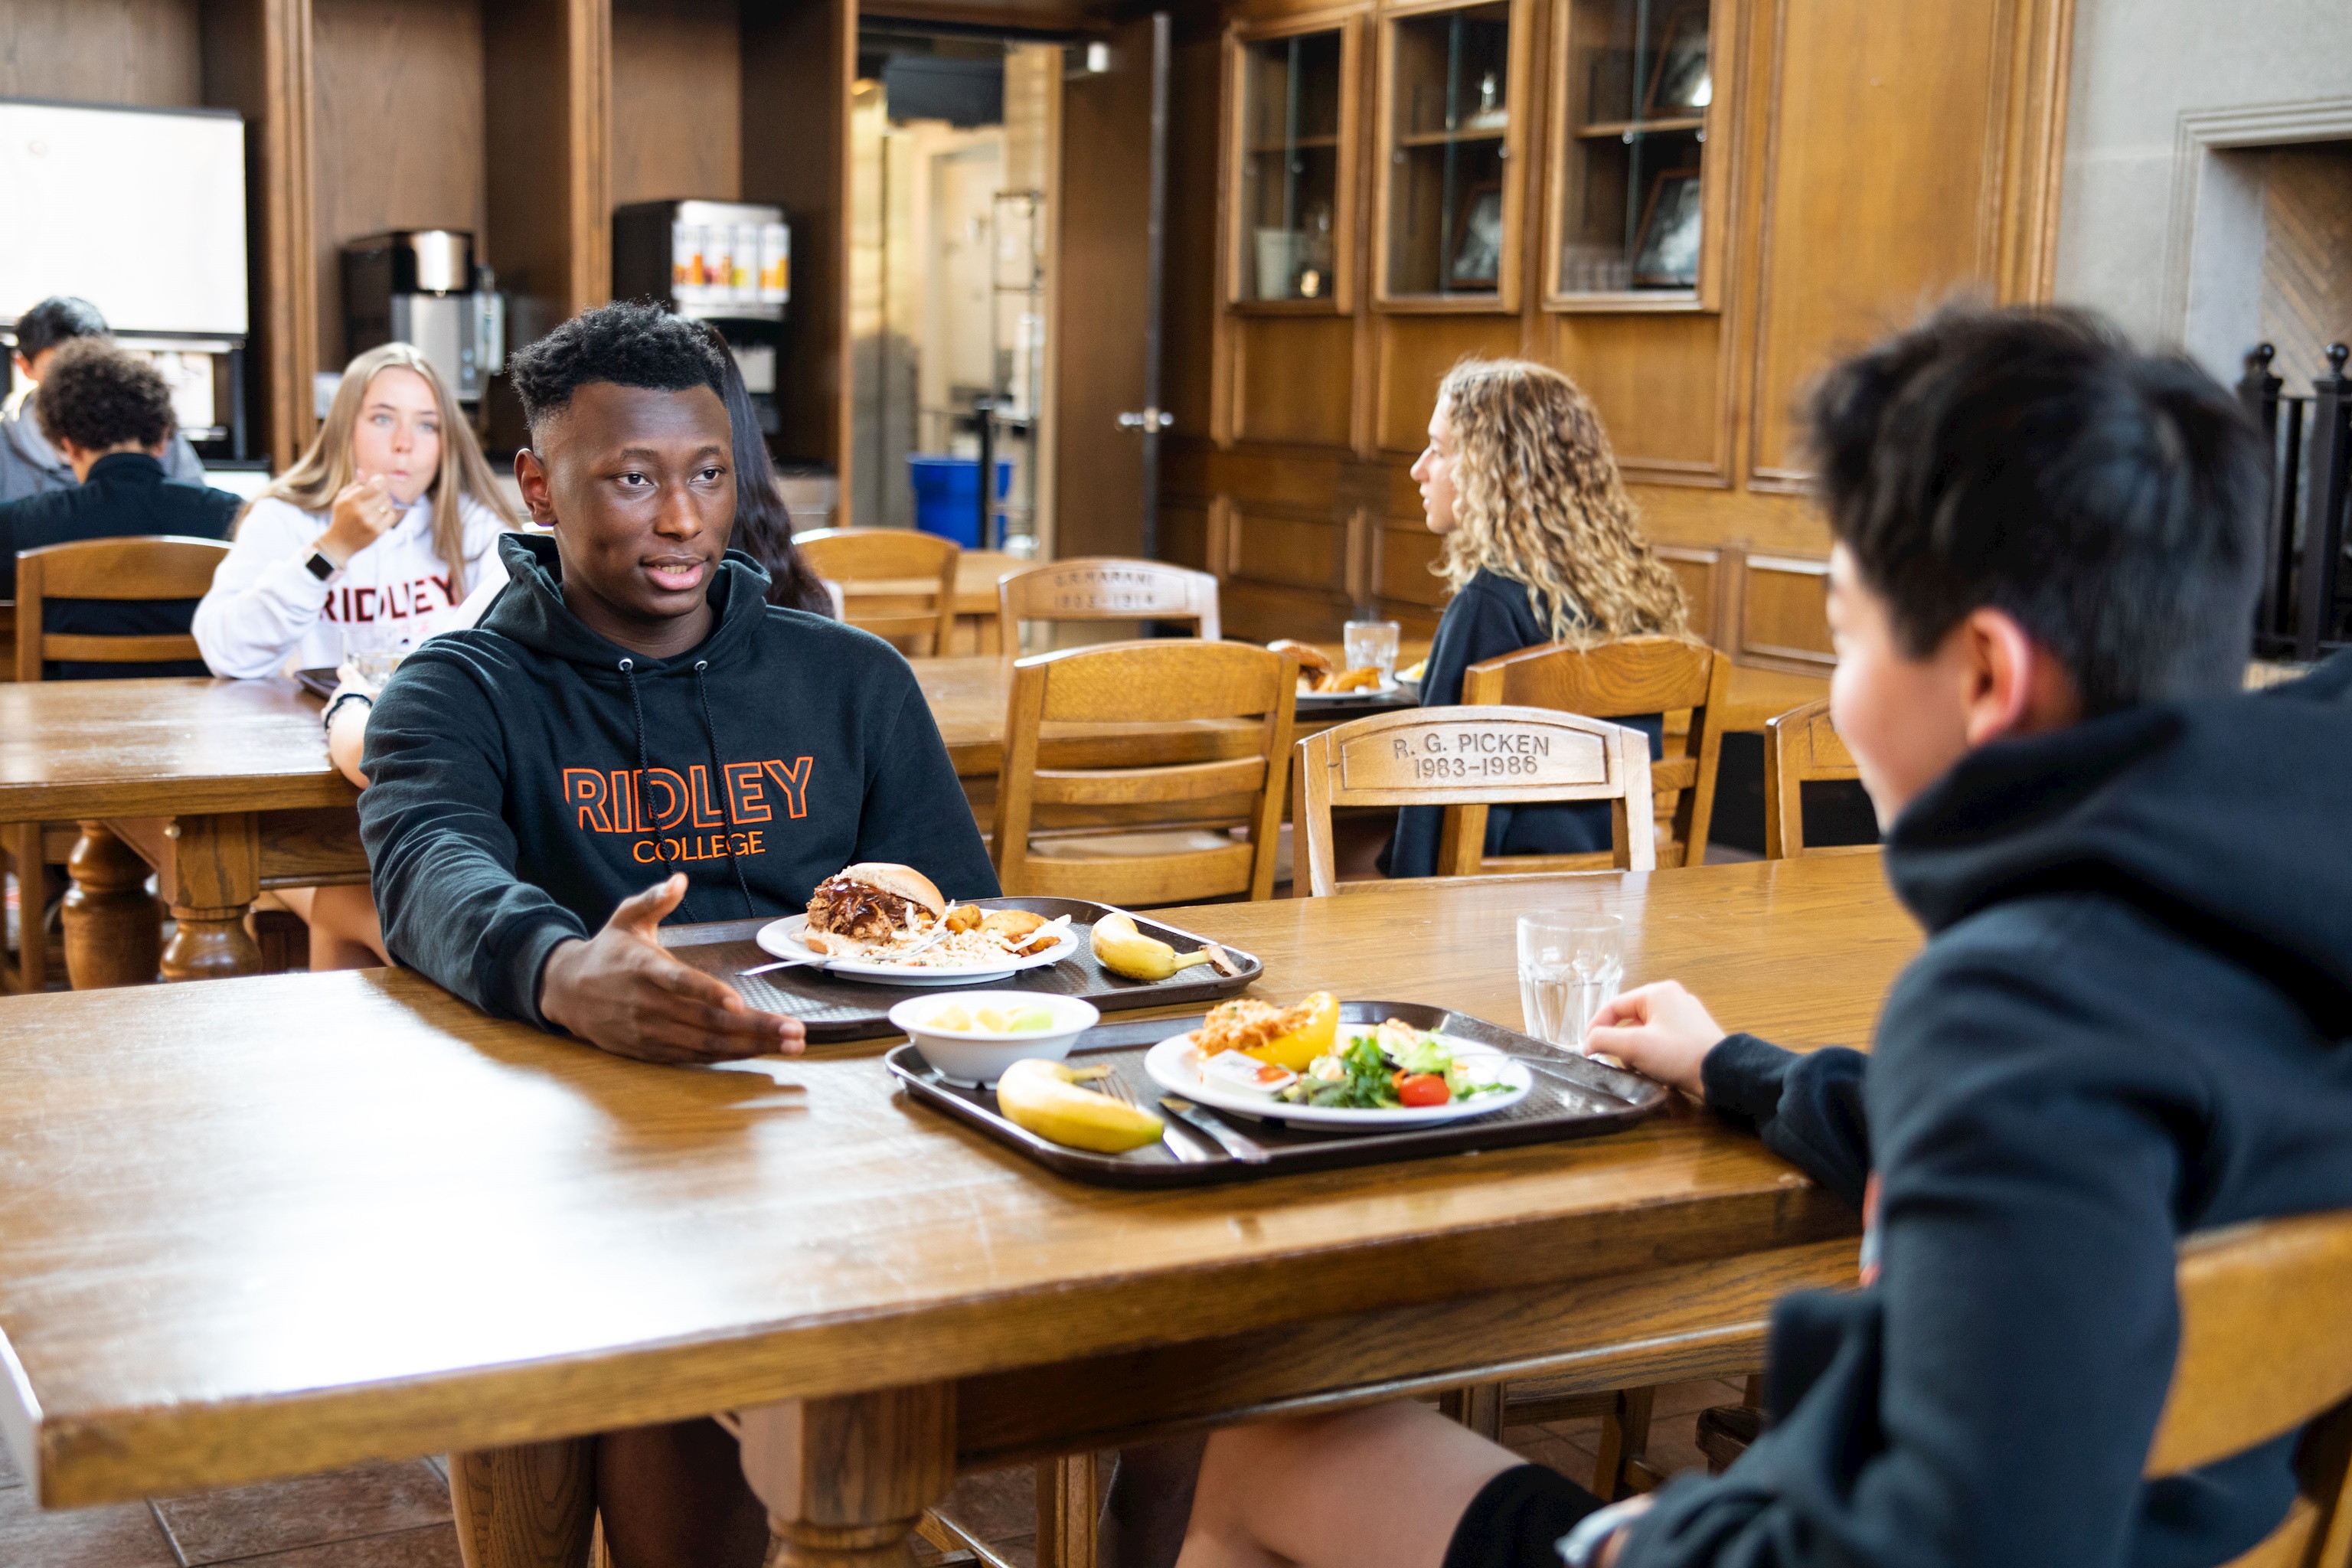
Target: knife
(1240,1145)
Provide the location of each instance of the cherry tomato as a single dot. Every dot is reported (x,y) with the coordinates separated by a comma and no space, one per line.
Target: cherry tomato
(1423,1089)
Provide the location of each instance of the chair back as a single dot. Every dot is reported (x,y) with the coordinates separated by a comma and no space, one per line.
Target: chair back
(131,567)
(1193,732)
(886,567)
(1800,747)
(1467,759)
(1621,679)
(1108,588)
(2264,1350)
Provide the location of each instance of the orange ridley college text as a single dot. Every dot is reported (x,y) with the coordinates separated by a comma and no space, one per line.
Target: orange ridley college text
(657,800)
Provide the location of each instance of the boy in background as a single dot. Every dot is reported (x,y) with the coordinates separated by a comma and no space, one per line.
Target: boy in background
(109,414)
(2133,1019)
(29,464)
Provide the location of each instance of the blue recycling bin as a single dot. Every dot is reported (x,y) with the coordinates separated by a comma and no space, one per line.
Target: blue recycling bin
(946,496)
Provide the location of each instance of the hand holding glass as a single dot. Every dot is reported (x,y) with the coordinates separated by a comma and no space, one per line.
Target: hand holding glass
(1570,966)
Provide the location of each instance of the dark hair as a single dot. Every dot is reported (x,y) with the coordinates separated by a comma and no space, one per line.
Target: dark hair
(763,528)
(59,319)
(627,343)
(96,396)
(2032,460)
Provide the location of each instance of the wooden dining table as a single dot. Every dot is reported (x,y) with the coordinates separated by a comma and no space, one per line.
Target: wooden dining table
(282,1224)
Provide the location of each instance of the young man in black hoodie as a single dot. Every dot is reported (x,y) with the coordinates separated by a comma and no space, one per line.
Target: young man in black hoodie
(2129,1023)
(631,705)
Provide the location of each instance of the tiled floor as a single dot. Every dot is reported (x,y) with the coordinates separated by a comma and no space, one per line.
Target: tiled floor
(398,1515)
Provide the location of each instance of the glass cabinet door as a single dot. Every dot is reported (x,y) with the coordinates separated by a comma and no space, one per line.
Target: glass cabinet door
(1638,83)
(1448,130)
(1292,225)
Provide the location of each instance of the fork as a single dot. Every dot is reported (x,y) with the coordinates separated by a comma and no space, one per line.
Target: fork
(1182,1151)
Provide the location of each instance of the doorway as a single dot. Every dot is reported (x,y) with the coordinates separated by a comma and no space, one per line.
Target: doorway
(953,144)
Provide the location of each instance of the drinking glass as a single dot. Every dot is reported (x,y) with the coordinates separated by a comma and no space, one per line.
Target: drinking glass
(1372,645)
(374,653)
(1570,966)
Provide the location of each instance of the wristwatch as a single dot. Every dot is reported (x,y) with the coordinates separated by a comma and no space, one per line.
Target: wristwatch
(318,567)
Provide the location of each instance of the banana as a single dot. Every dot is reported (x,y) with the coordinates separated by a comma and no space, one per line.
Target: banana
(1045,1098)
(1123,949)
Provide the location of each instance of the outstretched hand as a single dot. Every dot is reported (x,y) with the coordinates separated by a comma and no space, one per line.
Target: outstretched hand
(1659,1030)
(622,991)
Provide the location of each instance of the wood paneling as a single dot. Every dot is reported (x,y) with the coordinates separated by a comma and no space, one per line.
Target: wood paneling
(399,111)
(1698,572)
(2306,257)
(1292,377)
(1781,615)
(798,64)
(1405,551)
(1781,521)
(549,73)
(678,105)
(1195,193)
(102,51)
(1882,185)
(1658,383)
(1415,352)
(1291,551)
(1184,535)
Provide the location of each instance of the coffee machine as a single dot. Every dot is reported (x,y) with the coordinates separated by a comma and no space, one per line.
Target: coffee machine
(727,263)
(421,287)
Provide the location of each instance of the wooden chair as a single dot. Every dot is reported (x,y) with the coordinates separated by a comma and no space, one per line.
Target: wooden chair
(134,567)
(861,559)
(1108,588)
(1619,680)
(1179,688)
(1801,747)
(1467,759)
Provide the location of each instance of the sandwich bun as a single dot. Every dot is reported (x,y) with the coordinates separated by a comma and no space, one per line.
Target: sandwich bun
(1312,660)
(904,880)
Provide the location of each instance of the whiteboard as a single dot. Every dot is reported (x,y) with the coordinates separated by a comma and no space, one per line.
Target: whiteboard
(140,211)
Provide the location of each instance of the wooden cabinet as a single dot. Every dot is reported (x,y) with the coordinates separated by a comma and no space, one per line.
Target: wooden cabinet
(1453,87)
(1707,200)
(1292,88)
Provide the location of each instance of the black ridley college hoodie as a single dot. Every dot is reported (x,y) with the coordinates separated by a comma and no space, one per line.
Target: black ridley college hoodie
(2133,1020)
(527,775)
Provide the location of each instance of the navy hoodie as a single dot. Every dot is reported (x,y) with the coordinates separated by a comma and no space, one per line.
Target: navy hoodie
(2133,1020)
(527,775)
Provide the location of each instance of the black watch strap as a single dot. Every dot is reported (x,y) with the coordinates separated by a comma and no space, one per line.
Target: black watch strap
(318,567)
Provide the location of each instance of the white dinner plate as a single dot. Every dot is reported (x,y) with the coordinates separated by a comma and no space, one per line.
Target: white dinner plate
(1175,1066)
(783,938)
(1369,694)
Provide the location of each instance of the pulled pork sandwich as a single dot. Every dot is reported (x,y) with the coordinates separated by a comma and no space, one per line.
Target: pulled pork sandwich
(874,901)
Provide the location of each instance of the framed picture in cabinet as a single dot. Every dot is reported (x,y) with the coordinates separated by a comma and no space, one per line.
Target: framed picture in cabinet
(1292,130)
(1636,206)
(1450,111)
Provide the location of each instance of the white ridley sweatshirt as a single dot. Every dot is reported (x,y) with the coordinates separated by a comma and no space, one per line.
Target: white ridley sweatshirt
(267,613)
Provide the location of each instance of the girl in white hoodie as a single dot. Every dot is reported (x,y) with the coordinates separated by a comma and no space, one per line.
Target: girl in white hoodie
(384,532)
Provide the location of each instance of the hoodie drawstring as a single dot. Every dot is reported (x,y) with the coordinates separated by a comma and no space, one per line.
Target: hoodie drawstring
(718,782)
(645,766)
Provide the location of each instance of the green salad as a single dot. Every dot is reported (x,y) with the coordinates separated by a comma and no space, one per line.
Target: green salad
(1393,1067)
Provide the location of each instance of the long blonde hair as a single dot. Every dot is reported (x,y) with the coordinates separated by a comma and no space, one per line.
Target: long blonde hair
(1537,498)
(321,472)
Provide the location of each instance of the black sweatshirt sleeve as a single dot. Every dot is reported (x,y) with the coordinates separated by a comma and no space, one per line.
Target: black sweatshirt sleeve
(441,855)
(1807,1107)
(1990,1402)
(915,812)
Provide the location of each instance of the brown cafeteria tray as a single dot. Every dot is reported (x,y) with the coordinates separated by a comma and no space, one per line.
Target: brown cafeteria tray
(1574,1096)
(835,1009)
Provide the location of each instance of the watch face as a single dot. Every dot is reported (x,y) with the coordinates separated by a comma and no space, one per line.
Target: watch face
(321,567)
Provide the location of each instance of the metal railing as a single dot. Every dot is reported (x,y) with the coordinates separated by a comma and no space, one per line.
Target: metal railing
(2306,609)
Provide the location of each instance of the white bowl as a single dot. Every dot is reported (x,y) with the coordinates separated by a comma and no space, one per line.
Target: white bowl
(978,1057)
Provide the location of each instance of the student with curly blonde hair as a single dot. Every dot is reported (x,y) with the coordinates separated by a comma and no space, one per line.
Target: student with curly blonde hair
(1541,546)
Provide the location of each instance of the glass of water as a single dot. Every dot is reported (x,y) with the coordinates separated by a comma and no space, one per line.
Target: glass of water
(374,653)
(1372,645)
(1570,964)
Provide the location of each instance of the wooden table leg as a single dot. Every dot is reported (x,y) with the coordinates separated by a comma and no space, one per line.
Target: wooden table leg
(846,1479)
(1069,1511)
(527,1507)
(215,875)
(114,926)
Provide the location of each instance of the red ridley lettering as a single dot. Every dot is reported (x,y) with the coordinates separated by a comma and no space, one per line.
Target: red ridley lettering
(673,814)
(706,813)
(746,800)
(584,788)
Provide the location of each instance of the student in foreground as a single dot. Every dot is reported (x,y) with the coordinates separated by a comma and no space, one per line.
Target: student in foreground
(632,732)
(2129,1022)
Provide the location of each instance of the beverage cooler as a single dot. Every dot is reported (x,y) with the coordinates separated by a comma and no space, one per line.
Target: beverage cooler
(142,213)
(727,263)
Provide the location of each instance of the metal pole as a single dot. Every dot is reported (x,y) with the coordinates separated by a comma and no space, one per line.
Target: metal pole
(2323,518)
(984,420)
(1162,40)
(2258,392)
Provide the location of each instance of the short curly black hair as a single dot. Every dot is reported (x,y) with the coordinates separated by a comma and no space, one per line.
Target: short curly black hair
(96,396)
(628,343)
